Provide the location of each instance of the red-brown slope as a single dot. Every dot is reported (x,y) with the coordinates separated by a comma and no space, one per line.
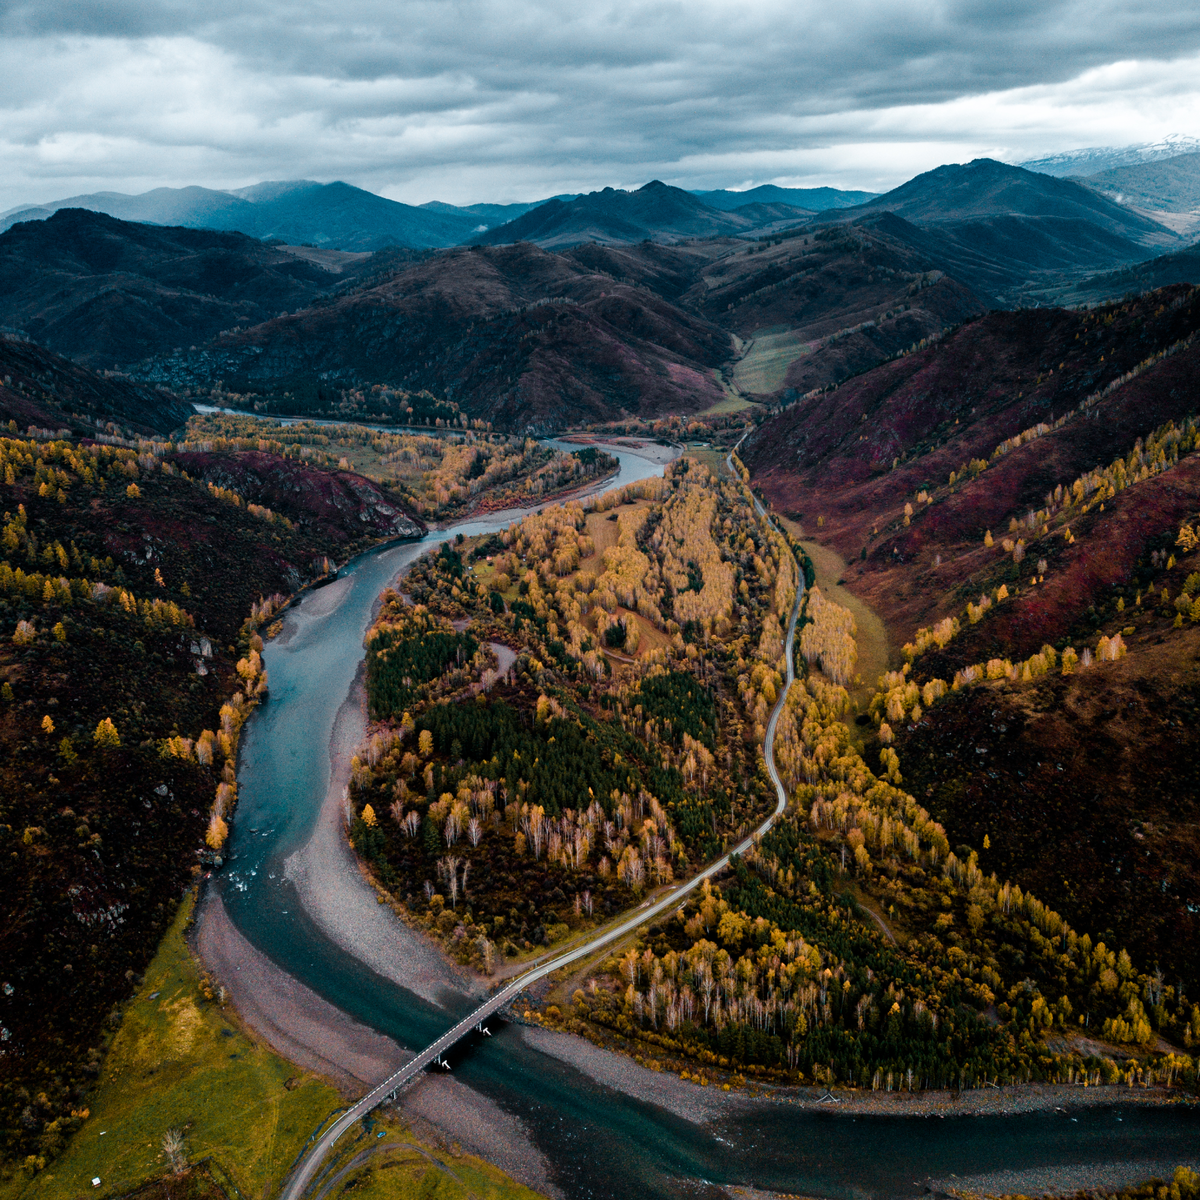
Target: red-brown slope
(831,456)
(820,283)
(1084,785)
(39,387)
(336,506)
(849,296)
(512,334)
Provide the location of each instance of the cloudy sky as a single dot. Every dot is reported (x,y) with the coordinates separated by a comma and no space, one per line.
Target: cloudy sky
(467,100)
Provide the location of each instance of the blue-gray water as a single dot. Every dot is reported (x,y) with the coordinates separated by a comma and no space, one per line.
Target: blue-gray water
(599,1143)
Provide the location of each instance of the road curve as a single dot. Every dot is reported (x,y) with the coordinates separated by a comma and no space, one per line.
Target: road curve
(307,1167)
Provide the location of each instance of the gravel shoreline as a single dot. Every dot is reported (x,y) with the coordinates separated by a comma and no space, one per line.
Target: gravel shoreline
(332,890)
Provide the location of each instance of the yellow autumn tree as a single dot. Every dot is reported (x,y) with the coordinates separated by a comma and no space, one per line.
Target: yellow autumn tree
(106,736)
(218,831)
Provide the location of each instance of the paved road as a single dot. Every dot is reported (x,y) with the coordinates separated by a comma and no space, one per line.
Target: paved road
(307,1167)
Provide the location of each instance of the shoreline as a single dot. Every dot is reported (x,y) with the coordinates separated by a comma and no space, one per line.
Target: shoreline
(334,893)
(648,450)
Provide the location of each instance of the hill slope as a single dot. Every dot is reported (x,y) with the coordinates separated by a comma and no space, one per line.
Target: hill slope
(1013,426)
(532,339)
(106,291)
(44,390)
(1172,185)
(513,335)
(1181,266)
(816,308)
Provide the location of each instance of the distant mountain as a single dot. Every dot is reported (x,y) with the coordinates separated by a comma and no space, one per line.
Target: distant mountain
(813,199)
(1008,232)
(656,211)
(196,207)
(1095,159)
(986,188)
(488,214)
(105,291)
(330,215)
(1167,185)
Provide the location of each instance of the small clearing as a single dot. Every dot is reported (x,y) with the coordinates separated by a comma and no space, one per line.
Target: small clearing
(763,368)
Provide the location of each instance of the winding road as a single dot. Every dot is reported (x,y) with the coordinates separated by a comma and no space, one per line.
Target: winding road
(308,1166)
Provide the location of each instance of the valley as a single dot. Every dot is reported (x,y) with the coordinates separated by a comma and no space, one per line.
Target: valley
(405,613)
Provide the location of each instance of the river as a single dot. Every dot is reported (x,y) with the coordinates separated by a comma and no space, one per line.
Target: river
(597,1141)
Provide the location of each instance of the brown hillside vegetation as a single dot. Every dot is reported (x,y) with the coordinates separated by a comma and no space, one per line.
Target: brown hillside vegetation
(513,334)
(1011,501)
(841,299)
(527,338)
(854,457)
(40,388)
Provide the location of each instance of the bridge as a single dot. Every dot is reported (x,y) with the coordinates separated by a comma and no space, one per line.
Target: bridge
(306,1169)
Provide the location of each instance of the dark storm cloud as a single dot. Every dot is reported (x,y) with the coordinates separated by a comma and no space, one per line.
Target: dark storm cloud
(808,55)
(394,89)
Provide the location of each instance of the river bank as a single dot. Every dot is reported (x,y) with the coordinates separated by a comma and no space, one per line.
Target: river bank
(497,507)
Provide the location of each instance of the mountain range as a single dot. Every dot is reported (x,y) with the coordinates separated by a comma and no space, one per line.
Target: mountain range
(590,308)
(1094,159)
(339,216)
(811,199)
(1166,190)
(655,211)
(324,214)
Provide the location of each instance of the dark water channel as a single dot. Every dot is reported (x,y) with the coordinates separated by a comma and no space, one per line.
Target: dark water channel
(599,1142)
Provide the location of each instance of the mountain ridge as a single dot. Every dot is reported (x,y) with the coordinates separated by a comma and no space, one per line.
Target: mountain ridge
(1093,159)
(335,215)
(656,211)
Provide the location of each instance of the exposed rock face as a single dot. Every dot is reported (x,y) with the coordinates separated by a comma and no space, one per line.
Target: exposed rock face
(336,504)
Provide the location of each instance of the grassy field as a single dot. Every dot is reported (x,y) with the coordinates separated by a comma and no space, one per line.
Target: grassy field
(763,369)
(733,402)
(181,1061)
(871,638)
(384,1162)
(714,460)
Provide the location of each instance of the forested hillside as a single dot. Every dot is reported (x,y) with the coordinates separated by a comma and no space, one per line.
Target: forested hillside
(1015,501)
(616,749)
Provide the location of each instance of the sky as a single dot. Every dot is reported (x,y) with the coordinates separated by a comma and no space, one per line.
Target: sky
(505,100)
